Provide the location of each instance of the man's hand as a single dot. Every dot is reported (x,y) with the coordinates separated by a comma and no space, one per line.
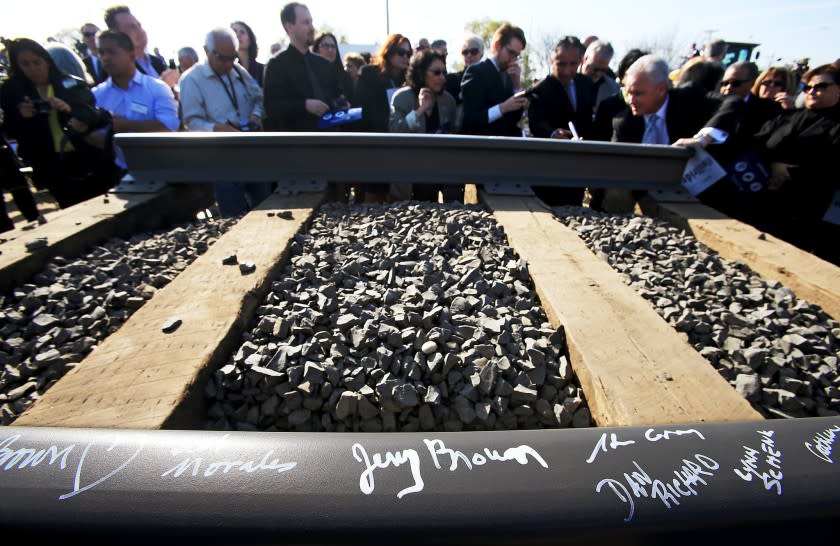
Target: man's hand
(514,103)
(562,134)
(515,73)
(316,107)
(170,77)
(779,175)
(691,142)
(224,128)
(256,122)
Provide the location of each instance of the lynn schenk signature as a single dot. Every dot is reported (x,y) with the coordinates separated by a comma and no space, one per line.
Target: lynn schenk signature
(123,452)
(439,453)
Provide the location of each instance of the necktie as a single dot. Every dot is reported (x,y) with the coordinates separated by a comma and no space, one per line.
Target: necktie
(655,131)
(570,91)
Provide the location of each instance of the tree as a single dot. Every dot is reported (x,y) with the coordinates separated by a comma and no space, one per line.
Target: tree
(484,29)
(664,45)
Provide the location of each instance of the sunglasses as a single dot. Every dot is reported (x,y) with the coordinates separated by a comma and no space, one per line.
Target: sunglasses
(732,83)
(403,52)
(88,34)
(773,83)
(225,58)
(470,51)
(438,71)
(822,86)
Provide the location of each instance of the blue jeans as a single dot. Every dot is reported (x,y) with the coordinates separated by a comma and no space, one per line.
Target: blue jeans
(235,198)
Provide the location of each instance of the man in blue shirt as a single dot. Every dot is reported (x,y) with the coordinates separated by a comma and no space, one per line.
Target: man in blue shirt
(138,103)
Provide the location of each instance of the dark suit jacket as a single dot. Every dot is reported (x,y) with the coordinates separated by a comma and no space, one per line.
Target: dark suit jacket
(551,107)
(453,85)
(371,96)
(157,63)
(688,111)
(287,87)
(481,89)
(602,125)
(97,72)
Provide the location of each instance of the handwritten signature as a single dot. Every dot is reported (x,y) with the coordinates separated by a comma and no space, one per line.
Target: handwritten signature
(650,435)
(688,478)
(772,477)
(823,444)
(439,453)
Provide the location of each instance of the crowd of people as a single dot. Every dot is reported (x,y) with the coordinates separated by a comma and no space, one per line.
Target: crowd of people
(780,126)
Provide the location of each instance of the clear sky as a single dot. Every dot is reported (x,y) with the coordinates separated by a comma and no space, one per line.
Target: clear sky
(786,30)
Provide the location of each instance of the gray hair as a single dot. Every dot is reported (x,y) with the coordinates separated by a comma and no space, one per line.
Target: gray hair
(751,68)
(599,48)
(68,61)
(219,32)
(654,67)
(475,41)
(189,52)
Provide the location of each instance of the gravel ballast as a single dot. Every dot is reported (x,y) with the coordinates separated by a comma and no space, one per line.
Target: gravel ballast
(48,325)
(780,352)
(405,317)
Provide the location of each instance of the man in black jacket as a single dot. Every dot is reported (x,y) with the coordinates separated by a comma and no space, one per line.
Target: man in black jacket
(490,106)
(300,86)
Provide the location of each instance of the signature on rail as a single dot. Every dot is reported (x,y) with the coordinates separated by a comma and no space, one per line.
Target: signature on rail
(687,480)
(441,457)
(60,457)
(651,435)
(772,477)
(118,453)
(823,444)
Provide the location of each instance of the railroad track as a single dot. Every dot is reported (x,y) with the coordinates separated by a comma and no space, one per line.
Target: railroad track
(673,444)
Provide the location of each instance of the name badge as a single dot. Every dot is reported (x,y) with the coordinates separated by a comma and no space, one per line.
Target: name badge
(139,108)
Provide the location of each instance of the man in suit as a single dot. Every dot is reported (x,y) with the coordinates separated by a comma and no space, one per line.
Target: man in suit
(120,19)
(92,63)
(490,106)
(658,114)
(300,86)
(563,97)
(596,65)
(737,81)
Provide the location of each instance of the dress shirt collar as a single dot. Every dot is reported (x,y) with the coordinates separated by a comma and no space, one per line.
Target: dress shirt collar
(661,111)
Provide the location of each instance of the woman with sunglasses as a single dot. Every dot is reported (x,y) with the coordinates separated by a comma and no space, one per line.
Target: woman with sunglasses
(801,148)
(248,50)
(776,83)
(378,81)
(425,107)
(41,103)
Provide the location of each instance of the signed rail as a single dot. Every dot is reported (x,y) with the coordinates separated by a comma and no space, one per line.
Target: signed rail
(652,484)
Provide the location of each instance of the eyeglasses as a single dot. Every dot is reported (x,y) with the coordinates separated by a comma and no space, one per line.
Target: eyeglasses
(438,71)
(512,52)
(471,51)
(89,34)
(225,58)
(732,83)
(772,83)
(403,52)
(822,86)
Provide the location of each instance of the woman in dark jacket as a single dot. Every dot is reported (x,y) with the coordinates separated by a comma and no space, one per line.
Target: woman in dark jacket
(326,46)
(377,83)
(801,147)
(40,104)
(248,50)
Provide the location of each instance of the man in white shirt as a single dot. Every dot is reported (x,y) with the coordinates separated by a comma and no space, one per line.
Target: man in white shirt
(218,95)
(138,103)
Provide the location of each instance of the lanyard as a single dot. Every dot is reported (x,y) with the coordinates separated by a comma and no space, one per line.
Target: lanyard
(231,93)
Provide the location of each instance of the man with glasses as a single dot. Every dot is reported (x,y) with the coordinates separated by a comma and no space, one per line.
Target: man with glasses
(92,63)
(300,86)
(472,51)
(221,96)
(488,87)
(596,65)
(564,97)
(738,81)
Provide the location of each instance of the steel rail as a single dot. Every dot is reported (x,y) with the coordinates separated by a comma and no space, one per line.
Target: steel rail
(762,480)
(365,157)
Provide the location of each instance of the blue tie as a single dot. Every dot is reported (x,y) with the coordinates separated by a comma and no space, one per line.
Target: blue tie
(655,132)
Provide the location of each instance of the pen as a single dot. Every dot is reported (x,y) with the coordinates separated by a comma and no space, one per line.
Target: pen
(575,134)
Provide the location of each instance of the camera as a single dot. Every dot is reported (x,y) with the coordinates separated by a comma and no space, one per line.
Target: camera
(41,106)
